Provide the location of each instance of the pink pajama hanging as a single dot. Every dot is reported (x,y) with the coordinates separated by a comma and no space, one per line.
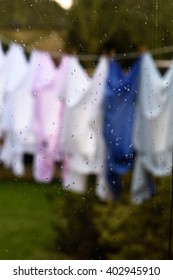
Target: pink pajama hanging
(48,110)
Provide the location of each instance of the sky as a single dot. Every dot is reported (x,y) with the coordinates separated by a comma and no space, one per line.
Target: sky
(66,4)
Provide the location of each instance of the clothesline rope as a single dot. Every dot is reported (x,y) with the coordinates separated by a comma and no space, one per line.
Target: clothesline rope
(91,57)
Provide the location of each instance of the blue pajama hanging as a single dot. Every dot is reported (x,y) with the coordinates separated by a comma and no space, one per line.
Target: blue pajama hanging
(120,98)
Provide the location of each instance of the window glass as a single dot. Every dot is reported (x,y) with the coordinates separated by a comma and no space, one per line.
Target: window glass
(86,129)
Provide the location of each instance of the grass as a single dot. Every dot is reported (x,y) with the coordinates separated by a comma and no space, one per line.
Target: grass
(25,228)
(36,223)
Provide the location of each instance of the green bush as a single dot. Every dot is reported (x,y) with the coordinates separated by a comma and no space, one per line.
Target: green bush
(89,229)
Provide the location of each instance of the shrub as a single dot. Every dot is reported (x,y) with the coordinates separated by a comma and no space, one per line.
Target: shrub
(89,229)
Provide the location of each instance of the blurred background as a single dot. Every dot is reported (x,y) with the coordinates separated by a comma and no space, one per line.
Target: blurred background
(85,26)
(35,219)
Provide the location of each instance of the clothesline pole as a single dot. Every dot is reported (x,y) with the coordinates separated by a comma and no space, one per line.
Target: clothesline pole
(171,216)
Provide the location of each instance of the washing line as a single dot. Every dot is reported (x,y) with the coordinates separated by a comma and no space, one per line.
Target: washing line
(94,57)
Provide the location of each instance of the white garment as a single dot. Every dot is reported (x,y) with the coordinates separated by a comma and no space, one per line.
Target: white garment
(18,109)
(153,132)
(77,182)
(74,181)
(77,84)
(83,138)
(142,186)
(83,120)
(153,129)
(2,91)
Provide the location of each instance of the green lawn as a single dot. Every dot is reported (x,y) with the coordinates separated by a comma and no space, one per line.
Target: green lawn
(43,222)
(26,221)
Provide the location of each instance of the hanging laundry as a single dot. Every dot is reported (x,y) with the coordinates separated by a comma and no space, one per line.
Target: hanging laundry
(2,63)
(96,98)
(83,138)
(77,83)
(142,185)
(18,109)
(120,97)
(47,90)
(153,129)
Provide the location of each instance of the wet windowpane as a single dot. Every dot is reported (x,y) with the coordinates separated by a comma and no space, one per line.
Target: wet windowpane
(86,130)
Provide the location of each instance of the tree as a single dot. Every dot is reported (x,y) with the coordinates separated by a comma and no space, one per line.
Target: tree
(43,14)
(126,23)
(35,23)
